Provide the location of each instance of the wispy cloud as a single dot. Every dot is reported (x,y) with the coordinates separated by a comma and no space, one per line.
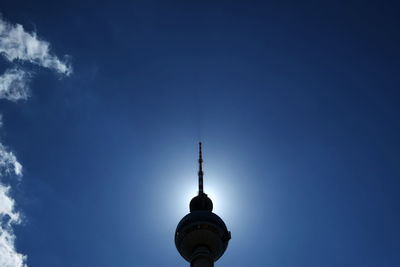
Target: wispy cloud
(8,217)
(16,46)
(14,85)
(9,165)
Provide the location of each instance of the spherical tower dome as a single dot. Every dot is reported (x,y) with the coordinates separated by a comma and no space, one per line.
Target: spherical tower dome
(201,236)
(201,202)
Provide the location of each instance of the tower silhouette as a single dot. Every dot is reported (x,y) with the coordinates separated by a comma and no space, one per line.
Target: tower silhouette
(201,236)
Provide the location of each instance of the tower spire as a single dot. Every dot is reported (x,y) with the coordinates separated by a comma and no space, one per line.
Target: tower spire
(200,171)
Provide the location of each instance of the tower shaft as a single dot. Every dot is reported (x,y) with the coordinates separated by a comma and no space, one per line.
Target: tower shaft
(201,262)
(202,258)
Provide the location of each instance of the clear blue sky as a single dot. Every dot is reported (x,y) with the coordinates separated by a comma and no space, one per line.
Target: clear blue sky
(297,105)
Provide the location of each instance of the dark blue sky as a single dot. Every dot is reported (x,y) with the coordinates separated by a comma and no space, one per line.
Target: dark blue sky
(297,104)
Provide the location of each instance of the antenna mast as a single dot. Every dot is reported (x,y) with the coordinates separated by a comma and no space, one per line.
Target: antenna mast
(200,171)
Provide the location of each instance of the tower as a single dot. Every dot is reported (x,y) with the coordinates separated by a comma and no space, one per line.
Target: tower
(201,236)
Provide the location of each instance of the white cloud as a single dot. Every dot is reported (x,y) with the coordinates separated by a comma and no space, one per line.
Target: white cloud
(14,85)
(9,163)
(9,257)
(17,45)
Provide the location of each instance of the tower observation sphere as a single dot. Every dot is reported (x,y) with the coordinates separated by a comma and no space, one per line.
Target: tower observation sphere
(201,236)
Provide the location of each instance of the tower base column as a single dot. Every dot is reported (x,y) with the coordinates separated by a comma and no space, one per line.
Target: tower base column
(202,258)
